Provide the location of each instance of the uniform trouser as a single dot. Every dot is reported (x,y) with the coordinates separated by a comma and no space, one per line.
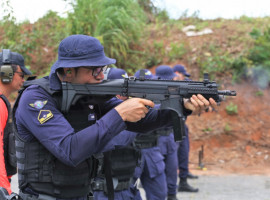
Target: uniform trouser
(169,150)
(151,173)
(183,156)
(155,188)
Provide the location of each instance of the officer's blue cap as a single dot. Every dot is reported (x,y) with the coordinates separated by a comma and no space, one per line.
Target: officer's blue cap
(181,69)
(147,73)
(17,59)
(81,51)
(116,73)
(165,72)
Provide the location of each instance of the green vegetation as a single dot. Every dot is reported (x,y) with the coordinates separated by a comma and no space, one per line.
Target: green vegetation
(155,57)
(117,24)
(139,35)
(259,54)
(176,51)
(232,109)
(227,128)
(207,130)
(259,93)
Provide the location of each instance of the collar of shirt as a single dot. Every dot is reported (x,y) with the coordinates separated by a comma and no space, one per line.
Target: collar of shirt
(55,83)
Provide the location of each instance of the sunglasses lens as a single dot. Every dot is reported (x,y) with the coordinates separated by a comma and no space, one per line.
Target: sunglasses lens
(21,74)
(98,70)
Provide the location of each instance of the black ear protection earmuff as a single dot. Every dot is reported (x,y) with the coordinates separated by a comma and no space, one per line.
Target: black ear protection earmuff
(6,71)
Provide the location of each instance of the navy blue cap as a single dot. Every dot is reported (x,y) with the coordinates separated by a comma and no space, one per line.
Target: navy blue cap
(116,73)
(147,73)
(15,58)
(81,50)
(181,69)
(165,72)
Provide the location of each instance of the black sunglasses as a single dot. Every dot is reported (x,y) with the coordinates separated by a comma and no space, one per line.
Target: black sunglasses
(97,70)
(21,74)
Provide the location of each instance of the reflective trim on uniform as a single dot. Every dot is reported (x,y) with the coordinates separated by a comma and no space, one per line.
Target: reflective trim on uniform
(20,176)
(20,166)
(19,144)
(20,154)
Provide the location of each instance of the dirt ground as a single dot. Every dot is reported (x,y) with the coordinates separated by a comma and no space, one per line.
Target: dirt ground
(233,143)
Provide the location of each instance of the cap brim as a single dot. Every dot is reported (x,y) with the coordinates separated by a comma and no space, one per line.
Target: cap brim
(187,74)
(26,71)
(84,63)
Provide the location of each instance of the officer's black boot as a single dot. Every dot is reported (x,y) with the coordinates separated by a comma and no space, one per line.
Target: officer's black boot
(172,197)
(185,187)
(191,176)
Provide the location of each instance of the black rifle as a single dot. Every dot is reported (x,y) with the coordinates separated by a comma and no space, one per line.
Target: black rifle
(168,93)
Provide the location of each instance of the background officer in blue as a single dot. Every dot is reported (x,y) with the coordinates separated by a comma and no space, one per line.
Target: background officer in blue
(123,156)
(54,149)
(12,72)
(183,149)
(166,142)
(152,167)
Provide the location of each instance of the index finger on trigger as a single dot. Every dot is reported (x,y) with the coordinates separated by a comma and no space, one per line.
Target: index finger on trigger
(148,103)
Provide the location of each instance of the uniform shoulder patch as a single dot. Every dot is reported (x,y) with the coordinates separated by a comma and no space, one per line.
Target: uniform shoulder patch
(38,104)
(44,115)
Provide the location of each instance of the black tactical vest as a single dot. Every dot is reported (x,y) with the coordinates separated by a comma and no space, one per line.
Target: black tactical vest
(40,170)
(123,162)
(9,142)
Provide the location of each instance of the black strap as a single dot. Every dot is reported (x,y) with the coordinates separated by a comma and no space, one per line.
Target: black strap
(108,175)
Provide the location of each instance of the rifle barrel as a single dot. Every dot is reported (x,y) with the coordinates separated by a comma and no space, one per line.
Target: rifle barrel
(227,92)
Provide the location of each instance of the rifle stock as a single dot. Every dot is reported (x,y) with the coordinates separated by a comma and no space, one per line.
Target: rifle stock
(168,93)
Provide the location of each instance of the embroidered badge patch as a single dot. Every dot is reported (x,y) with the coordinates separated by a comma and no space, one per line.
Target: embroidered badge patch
(44,115)
(125,75)
(148,73)
(38,104)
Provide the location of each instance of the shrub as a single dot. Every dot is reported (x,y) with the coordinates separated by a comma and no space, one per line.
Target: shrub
(177,51)
(259,93)
(260,52)
(232,109)
(227,128)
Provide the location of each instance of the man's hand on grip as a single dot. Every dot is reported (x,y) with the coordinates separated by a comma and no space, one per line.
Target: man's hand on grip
(134,109)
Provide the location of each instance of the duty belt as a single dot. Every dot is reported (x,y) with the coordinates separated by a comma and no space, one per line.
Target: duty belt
(100,185)
(34,197)
(146,141)
(145,145)
(164,132)
(24,196)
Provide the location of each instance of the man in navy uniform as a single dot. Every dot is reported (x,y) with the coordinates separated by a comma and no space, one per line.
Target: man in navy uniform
(54,149)
(166,142)
(152,168)
(183,149)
